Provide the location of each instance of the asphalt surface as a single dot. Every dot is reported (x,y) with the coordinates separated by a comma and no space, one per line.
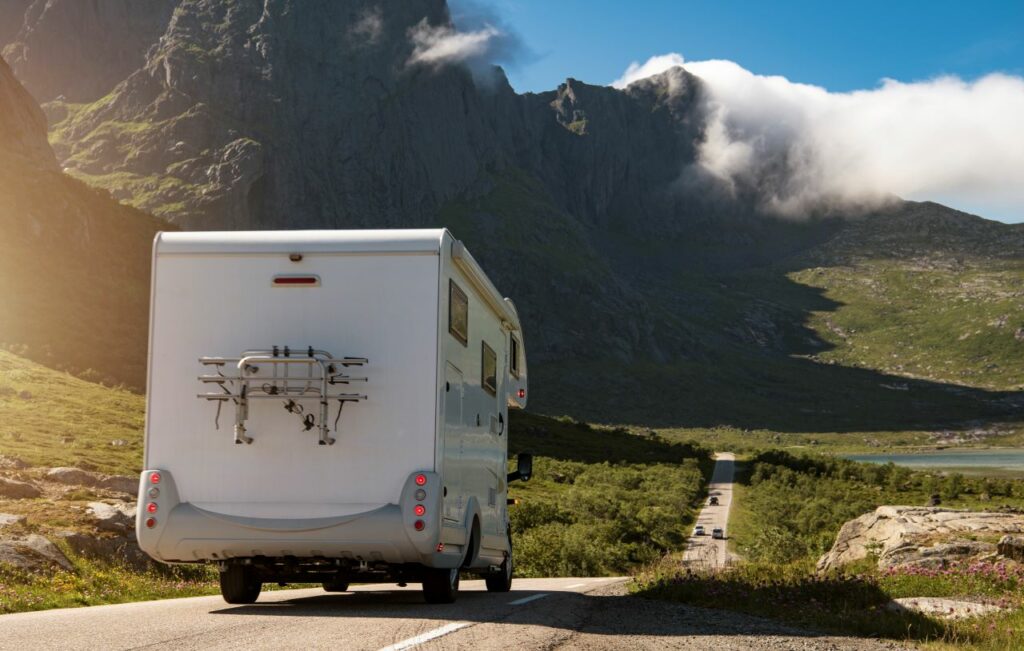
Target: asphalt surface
(704,550)
(538,614)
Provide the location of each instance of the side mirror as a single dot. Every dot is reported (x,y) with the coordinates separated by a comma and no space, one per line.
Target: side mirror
(524,468)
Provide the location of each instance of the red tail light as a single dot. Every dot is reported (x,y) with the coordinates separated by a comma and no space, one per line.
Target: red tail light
(421,480)
(150,523)
(440,547)
(154,478)
(419,510)
(418,525)
(151,507)
(522,393)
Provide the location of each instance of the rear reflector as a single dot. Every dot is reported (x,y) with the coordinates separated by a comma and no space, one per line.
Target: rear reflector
(296,281)
(150,522)
(419,525)
(522,393)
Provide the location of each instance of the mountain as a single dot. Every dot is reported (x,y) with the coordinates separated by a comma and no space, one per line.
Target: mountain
(76,50)
(74,263)
(648,288)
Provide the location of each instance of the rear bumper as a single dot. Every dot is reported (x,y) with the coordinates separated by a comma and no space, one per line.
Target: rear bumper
(184,533)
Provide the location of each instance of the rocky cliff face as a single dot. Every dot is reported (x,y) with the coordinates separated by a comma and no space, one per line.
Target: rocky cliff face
(22,124)
(79,50)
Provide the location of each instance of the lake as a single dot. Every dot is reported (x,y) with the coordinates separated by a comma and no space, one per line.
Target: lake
(1004,462)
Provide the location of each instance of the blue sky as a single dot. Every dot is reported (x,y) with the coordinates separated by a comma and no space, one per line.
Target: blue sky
(839,45)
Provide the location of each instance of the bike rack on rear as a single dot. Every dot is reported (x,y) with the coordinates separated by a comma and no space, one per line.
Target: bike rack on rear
(266,375)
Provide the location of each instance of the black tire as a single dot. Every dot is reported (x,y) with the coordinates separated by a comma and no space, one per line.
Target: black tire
(239,585)
(441,586)
(501,581)
(336,586)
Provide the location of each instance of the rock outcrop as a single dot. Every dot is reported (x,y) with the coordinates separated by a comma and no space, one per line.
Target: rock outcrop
(116,518)
(79,477)
(918,535)
(17,490)
(32,553)
(81,50)
(22,124)
(1012,547)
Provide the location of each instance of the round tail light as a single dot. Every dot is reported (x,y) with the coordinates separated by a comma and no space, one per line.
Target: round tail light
(151,507)
(419,510)
(150,523)
(418,525)
(421,480)
(154,478)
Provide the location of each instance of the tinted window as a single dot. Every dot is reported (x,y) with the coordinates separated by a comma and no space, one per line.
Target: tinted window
(458,313)
(513,358)
(489,370)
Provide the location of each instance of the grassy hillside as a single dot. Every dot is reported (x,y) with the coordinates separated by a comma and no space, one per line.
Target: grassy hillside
(50,418)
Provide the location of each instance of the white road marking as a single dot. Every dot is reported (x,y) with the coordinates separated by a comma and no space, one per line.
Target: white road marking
(426,637)
(575,585)
(526,600)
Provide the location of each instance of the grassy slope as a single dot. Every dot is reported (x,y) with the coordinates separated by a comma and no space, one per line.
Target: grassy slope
(51,418)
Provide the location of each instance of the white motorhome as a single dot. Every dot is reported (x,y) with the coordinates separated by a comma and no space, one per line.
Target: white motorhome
(329,406)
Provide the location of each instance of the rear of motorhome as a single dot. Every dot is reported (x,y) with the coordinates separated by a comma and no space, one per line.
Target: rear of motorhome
(330,407)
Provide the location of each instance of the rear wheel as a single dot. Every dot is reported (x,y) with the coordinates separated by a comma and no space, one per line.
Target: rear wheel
(336,586)
(239,585)
(441,586)
(501,581)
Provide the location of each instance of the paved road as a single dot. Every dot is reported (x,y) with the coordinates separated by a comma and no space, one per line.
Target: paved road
(537,614)
(704,550)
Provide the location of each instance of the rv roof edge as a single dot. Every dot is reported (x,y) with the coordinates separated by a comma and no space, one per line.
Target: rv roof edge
(405,241)
(487,290)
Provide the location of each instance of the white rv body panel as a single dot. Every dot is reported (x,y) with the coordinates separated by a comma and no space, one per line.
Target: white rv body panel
(379,295)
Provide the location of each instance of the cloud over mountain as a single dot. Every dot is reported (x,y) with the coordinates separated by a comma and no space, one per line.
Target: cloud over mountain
(801,145)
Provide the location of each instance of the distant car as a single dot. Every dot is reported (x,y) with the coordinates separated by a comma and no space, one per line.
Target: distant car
(718,534)
(713,501)
(698,530)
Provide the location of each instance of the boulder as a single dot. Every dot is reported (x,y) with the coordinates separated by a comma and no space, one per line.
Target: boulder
(14,489)
(115,549)
(12,463)
(909,533)
(73,477)
(11,520)
(32,553)
(1012,547)
(118,518)
(120,483)
(943,608)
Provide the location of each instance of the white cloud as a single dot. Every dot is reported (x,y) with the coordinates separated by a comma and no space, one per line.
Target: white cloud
(945,139)
(443,44)
(651,67)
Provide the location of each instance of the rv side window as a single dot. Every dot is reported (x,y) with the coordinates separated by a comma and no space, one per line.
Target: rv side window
(458,313)
(513,356)
(489,370)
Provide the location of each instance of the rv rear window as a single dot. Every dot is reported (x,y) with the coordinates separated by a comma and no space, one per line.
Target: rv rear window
(513,356)
(489,370)
(458,313)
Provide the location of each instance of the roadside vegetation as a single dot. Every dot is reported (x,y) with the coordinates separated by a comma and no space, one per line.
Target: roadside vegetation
(602,500)
(787,511)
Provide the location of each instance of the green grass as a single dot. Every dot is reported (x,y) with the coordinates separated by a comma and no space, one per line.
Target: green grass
(92,583)
(51,418)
